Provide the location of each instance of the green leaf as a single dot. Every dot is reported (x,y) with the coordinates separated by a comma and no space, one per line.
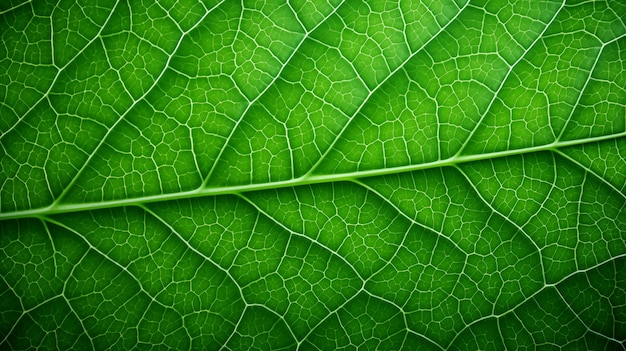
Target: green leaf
(336,174)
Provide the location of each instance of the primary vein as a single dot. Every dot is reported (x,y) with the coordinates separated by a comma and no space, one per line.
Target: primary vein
(305,180)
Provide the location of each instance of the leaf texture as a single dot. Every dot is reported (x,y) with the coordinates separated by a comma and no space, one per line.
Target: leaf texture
(313,175)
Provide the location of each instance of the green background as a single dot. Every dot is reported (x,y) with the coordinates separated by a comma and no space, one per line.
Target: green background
(313,174)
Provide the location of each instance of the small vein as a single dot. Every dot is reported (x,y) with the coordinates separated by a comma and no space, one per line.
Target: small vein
(60,69)
(130,108)
(502,83)
(510,221)
(191,247)
(405,215)
(372,91)
(589,171)
(252,102)
(532,296)
(302,235)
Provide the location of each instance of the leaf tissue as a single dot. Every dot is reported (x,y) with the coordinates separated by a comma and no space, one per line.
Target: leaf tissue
(313,175)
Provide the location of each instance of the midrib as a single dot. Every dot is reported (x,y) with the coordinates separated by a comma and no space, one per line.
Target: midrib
(57,208)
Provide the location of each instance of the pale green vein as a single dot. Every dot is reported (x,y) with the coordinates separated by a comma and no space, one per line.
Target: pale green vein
(310,179)
(532,296)
(60,70)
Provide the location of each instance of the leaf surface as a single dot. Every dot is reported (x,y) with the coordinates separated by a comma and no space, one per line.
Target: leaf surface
(313,175)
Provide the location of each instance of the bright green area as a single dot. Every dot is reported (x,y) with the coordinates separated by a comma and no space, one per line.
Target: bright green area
(313,175)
